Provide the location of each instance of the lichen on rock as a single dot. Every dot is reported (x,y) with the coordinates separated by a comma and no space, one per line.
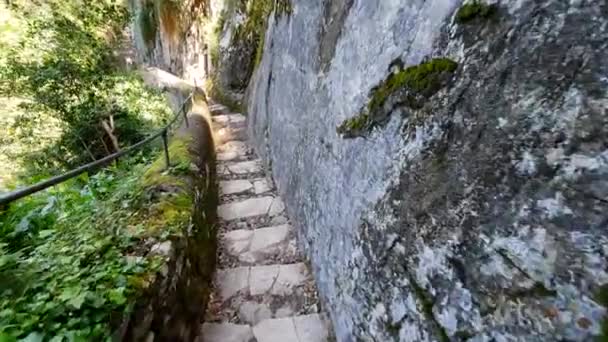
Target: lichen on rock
(409,87)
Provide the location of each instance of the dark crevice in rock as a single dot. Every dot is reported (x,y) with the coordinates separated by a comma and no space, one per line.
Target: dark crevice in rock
(537,290)
(427,302)
(459,269)
(334,15)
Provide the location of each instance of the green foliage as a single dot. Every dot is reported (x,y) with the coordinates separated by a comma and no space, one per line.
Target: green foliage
(422,80)
(62,68)
(474,9)
(73,259)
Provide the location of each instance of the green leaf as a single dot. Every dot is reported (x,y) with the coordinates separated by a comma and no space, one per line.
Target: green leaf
(46,233)
(34,337)
(77,301)
(4,337)
(117,296)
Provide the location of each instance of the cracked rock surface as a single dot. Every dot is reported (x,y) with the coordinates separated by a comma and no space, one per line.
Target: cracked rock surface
(263,289)
(479,215)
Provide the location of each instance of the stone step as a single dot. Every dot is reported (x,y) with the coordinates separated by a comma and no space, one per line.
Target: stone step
(229,133)
(217,109)
(232,150)
(240,169)
(267,205)
(229,120)
(251,294)
(263,246)
(244,186)
(225,332)
(306,328)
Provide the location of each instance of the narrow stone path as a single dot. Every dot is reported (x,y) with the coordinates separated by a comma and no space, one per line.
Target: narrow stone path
(263,290)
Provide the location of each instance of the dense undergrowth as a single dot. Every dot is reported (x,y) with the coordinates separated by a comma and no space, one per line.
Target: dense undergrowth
(74,258)
(59,77)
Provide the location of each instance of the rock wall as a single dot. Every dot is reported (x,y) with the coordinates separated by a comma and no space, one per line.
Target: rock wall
(479,215)
(170,35)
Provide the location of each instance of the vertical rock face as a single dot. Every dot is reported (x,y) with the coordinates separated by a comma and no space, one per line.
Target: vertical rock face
(170,34)
(479,215)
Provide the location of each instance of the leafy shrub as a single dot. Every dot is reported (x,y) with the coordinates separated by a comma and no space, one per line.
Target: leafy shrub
(80,259)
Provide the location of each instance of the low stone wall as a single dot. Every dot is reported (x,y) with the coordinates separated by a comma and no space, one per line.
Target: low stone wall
(173,304)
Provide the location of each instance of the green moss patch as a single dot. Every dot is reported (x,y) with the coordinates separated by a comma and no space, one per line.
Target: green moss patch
(476,9)
(420,82)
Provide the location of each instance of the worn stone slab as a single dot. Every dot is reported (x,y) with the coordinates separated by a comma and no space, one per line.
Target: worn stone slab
(276,330)
(233,146)
(232,281)
(253,246)
(238,241)
(244,167)
(262,279)
(312,328)
(253,313)
(233,120)
(265,239)
(230,133)
(261,186)
(277,207)
(235,186)
(246,208)
(290,276)
(277,220)
(218,109)
(226,332)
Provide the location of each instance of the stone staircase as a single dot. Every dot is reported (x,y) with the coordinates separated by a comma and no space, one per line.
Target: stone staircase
(263,290)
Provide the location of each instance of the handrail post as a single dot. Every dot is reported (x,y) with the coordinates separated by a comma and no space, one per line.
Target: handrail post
(186,118)
(6,198)
(166,147)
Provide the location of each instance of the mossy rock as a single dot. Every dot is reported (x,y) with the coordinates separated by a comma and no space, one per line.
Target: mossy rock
(476,9)
(414,85)
(159,174)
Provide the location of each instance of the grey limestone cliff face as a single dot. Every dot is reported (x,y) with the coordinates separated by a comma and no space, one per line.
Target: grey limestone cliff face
(170,35)
(481,216)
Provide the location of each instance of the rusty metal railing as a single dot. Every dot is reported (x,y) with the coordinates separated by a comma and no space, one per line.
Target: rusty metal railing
(162,133)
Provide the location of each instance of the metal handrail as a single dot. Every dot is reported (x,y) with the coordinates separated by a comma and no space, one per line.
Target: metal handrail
(32,189)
